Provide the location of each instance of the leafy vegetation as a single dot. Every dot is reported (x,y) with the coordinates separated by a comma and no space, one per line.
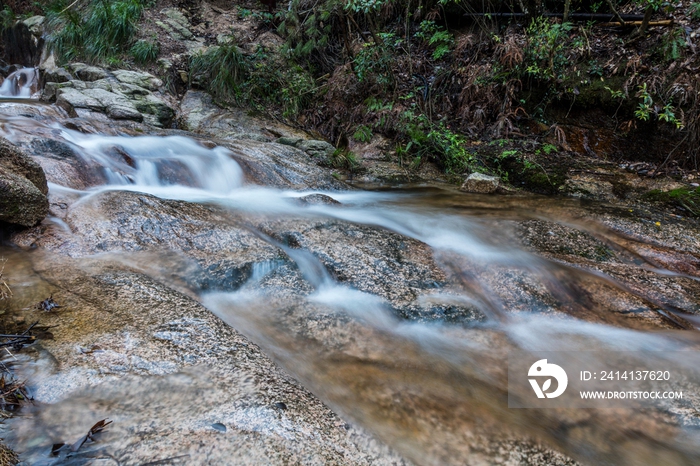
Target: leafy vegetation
(100,32)
(145,51)
(258,80)
(221,70)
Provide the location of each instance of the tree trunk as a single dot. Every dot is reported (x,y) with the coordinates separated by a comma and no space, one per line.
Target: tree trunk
(645,22)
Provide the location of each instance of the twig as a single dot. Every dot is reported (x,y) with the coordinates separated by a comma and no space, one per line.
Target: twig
(69,6)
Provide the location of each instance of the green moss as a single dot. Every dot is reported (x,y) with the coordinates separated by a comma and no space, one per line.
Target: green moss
(685,198)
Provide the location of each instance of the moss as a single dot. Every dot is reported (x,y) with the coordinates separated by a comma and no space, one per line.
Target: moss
(686,199)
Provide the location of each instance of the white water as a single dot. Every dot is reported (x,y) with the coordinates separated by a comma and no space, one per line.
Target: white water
(20,85)
(459,369)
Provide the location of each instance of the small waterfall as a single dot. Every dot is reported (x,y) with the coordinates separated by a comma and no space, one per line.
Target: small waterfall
(20,85)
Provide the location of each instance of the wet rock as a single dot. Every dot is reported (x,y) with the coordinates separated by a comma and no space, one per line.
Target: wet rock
(480,183)
(317,199)
(176,374)
(23,187)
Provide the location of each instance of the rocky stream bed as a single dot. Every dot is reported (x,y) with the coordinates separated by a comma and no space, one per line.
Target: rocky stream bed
(227,300)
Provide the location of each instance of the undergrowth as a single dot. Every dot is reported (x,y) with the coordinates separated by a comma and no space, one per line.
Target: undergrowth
(260,80)
(97,31)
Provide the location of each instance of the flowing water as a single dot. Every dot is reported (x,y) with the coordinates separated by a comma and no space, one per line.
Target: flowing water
(427,384)
(19,85)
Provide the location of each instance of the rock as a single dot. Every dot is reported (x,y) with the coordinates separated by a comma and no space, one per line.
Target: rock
(317,199)
(176,373)
(27,46)
(90,73)
(69,99)
(200,114)
(320,151)
(51,88)
(152,105)
(23,187)
(35,25)
(480,183)
(137,78)
(57,75)
(176,24)
(117,106)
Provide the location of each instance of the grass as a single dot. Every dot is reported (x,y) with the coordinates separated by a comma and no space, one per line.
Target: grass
(98,33)
(145,51)
(221,70)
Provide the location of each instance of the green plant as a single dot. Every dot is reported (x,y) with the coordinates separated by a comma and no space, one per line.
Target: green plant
(308,29)
(668,115)
(594,69)
(7,17)
(375,62)
(243,13)
(437,37)
(646,108)
(673,44)
(145,51)
(545,56)
(694,10)
(343,158)
(220,70)
(363,133)
(426,139)
(98,33)
(549,148)
(615,94)
(687,199)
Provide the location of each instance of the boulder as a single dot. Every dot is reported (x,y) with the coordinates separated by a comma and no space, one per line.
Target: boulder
(320,152)
(91,73)
(176,24)
(57,75)
(480,184)
(23,187)
(149,104)
(144,80)
(69,99)
(35,24)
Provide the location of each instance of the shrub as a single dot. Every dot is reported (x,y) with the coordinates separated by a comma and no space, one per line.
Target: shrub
(545,52)
(145,51)
(101,33)
(437,37)
(220,70)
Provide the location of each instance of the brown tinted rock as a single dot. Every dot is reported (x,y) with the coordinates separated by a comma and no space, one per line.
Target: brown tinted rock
(23,187)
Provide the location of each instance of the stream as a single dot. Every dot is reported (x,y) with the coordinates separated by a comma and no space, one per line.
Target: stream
(399,307)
